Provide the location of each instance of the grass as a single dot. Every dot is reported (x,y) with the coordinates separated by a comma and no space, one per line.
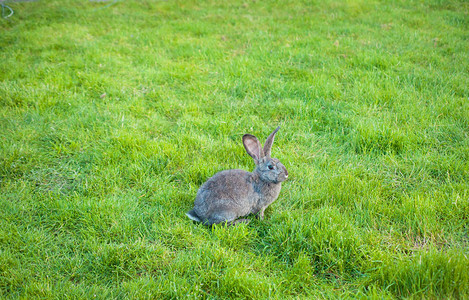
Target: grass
(112,116)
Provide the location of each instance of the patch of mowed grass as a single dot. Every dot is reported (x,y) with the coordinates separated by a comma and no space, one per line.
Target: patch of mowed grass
(112,116)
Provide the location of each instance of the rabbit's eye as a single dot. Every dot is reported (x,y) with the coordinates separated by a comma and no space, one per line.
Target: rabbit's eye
(270,167)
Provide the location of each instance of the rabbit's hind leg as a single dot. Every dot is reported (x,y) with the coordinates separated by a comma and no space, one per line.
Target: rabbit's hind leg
(226,218)
(219,218)
(239,221)
(233,223)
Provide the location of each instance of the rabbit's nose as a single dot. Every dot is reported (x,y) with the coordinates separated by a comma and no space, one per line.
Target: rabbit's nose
(286,172)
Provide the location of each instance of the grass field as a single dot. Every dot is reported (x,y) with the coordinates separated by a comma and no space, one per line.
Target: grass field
(112,114)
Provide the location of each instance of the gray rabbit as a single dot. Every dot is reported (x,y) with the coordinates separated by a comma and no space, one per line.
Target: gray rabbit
(231,194)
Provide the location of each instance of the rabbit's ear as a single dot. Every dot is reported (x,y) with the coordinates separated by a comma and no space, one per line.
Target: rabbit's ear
(253,147)
(269,142)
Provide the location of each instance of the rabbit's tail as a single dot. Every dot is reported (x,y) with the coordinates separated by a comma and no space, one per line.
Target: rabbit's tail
(193,216)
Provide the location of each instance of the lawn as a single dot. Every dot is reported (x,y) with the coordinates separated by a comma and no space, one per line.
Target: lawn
(112,114)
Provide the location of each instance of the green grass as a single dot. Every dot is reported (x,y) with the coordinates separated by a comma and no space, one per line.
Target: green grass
(111,117)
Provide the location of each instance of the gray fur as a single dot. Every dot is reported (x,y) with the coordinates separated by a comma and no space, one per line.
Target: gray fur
(231,194)
(191,214)
(268,143)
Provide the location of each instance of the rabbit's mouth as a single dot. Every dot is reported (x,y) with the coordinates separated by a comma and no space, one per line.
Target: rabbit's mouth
(285,173)
(282,177)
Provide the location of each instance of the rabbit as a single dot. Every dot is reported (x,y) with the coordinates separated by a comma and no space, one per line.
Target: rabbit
(231,194)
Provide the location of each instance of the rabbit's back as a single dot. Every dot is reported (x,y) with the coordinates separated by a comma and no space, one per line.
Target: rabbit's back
(226,196)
